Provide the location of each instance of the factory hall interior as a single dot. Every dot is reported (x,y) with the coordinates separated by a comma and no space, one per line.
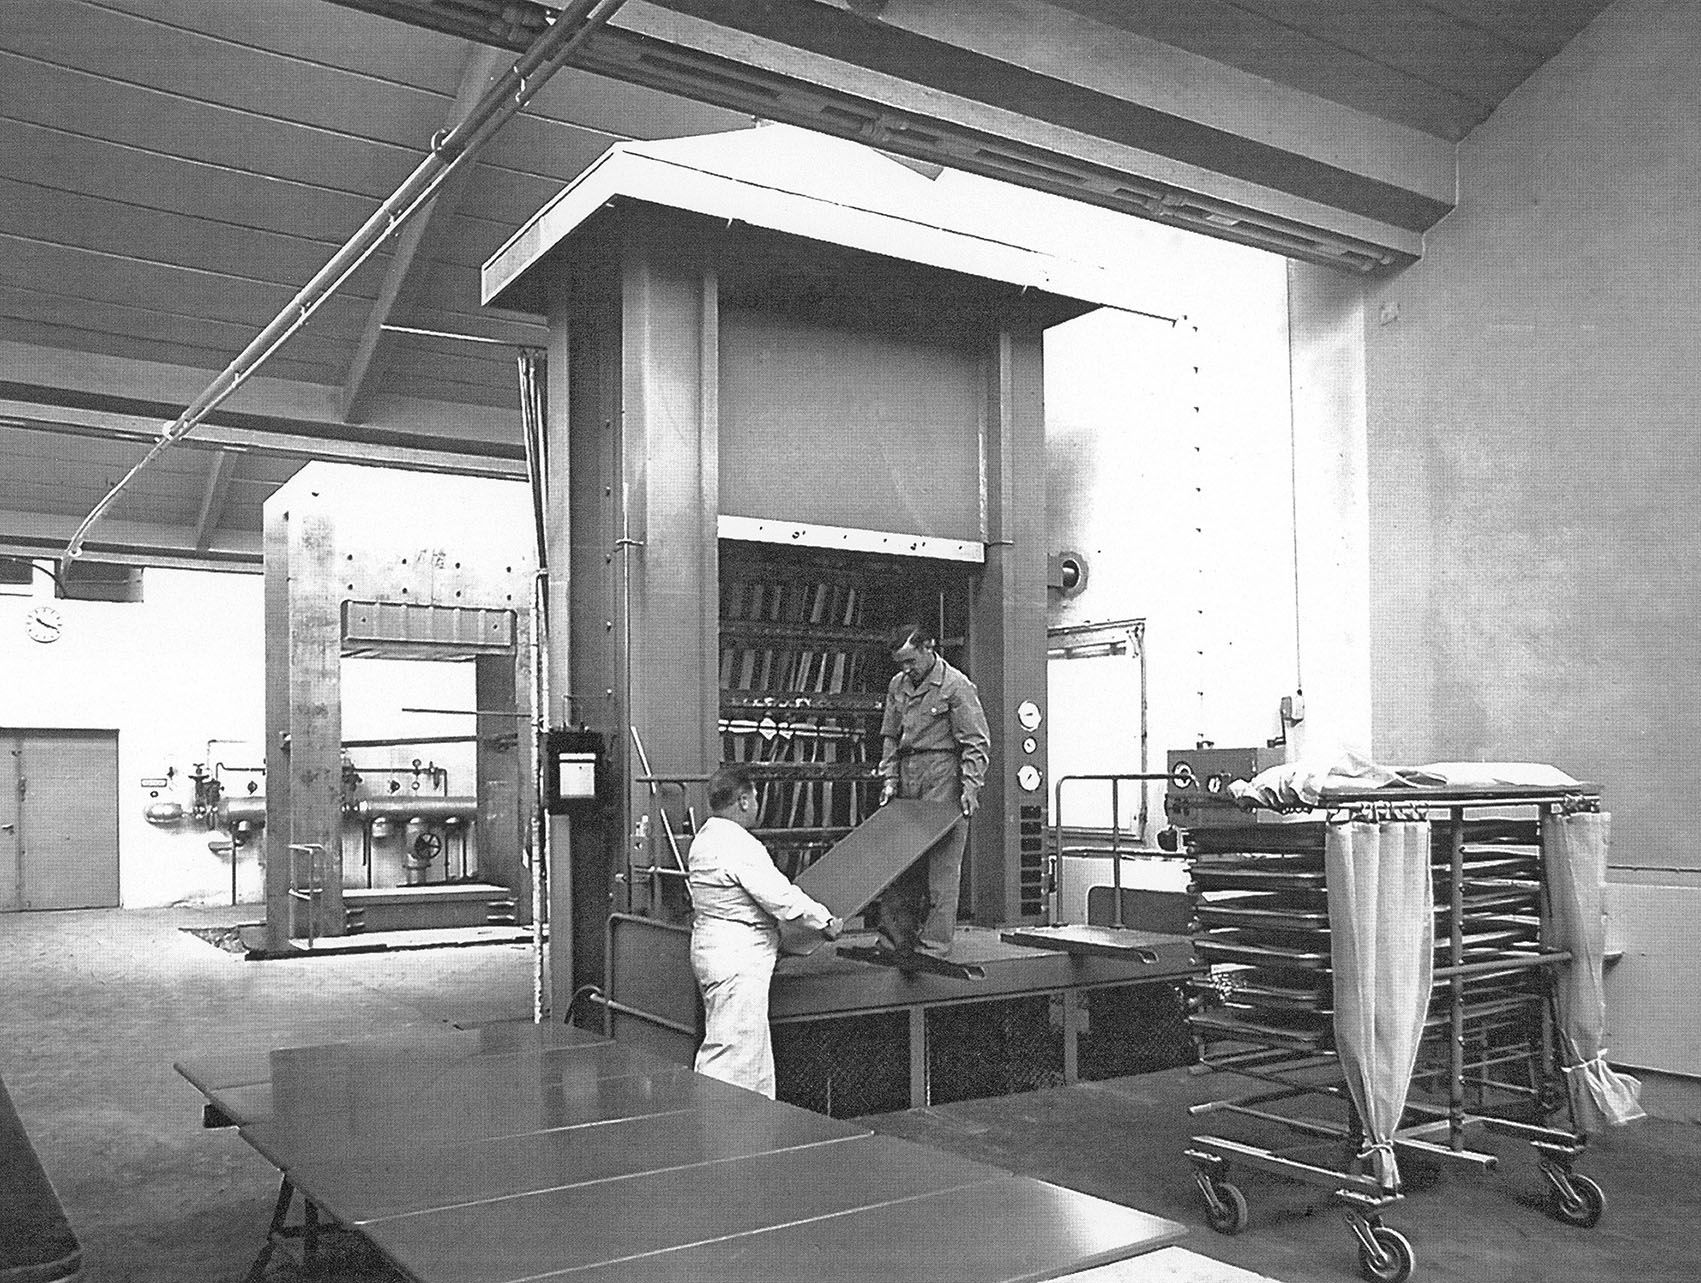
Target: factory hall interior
(849,640)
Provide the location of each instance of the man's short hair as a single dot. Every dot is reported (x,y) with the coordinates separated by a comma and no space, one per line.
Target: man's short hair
(727,785)
(917,635)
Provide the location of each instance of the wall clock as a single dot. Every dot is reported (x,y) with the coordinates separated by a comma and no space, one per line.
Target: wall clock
(43,624)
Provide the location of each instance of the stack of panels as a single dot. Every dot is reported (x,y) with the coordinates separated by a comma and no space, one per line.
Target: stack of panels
(1261,917)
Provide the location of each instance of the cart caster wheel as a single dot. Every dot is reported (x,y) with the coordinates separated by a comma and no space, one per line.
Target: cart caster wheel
(1583,1209)
(1228,1214)
(1397,1258)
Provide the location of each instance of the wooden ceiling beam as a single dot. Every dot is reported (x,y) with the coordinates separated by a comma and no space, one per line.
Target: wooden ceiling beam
(483,66)
(213,495)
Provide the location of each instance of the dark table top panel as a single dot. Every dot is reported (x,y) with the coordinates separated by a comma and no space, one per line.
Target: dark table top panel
(290,1130)
(364,1187)
(871,856)
(438,1041)
(614,1220)
(1012,1228)
(416,1083)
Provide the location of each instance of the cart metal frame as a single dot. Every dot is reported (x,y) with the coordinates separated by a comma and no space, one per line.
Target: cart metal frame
(1293,1064)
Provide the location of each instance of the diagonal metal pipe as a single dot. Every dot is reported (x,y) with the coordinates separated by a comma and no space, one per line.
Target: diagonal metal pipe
(449,149)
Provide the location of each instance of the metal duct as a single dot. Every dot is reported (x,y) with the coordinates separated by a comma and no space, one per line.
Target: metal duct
(424,808)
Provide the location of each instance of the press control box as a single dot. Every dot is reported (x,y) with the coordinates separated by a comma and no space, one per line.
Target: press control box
(1198,791)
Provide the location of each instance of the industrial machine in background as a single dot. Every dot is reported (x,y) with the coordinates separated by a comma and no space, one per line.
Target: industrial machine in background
(788,409)
(409,829)
(367,564)
(767,447)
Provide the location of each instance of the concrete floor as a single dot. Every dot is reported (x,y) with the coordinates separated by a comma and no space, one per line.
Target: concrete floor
(97,1006)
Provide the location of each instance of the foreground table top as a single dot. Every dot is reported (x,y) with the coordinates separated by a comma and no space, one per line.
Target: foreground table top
(518,1151)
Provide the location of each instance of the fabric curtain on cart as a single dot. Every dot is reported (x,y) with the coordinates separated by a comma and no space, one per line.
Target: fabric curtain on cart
(1574,851)
(1382,944)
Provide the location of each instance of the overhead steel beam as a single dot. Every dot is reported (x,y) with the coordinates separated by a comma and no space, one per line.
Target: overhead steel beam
(1065,66)
(405,432)
(484,64)
(1035,95)
(130,543)
(378,450)
(212,498)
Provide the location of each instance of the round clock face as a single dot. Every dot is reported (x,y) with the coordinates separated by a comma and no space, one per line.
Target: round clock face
(1028,714)
(43,624)
(1029,778)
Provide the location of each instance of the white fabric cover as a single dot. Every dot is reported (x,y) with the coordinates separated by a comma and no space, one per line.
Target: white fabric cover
(1493,774)
(1382,934)
(1574,849)
(1308,781)
(1304,782)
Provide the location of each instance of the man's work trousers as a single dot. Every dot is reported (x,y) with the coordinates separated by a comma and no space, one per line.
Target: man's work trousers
(734,964)
(919,910)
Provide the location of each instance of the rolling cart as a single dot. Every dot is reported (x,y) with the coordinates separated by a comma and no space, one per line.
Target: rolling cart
(1399,956)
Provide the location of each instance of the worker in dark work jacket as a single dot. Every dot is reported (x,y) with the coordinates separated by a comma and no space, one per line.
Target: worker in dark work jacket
(936,748)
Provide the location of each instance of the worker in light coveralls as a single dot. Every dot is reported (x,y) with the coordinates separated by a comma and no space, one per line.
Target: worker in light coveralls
(738,899)
(936,748)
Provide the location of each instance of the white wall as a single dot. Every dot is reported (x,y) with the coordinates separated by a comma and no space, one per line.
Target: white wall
(182,667)
(168,673)
(1172,459)
(1533,398)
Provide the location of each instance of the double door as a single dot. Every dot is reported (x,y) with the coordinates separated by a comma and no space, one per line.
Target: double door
(58,819)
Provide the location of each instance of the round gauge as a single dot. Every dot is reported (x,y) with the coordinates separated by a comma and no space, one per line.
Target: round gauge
(1030,745)
(1181,775)
(1029,778)
(1028,714)
(43,624)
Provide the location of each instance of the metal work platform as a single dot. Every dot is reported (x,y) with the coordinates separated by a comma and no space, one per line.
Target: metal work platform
(519,1151)
(855,1038)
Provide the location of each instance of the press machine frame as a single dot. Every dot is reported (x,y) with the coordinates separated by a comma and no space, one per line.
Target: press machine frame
(336,589)
(664,439)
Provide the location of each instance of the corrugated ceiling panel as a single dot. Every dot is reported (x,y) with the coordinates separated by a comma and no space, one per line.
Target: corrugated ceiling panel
(319,32)
(1541,26)
(1278,44)
(138,322)
(95,275)
(90,222)
(217,135)
(148,177)
(140,52)
(44,334)
(1434,47)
